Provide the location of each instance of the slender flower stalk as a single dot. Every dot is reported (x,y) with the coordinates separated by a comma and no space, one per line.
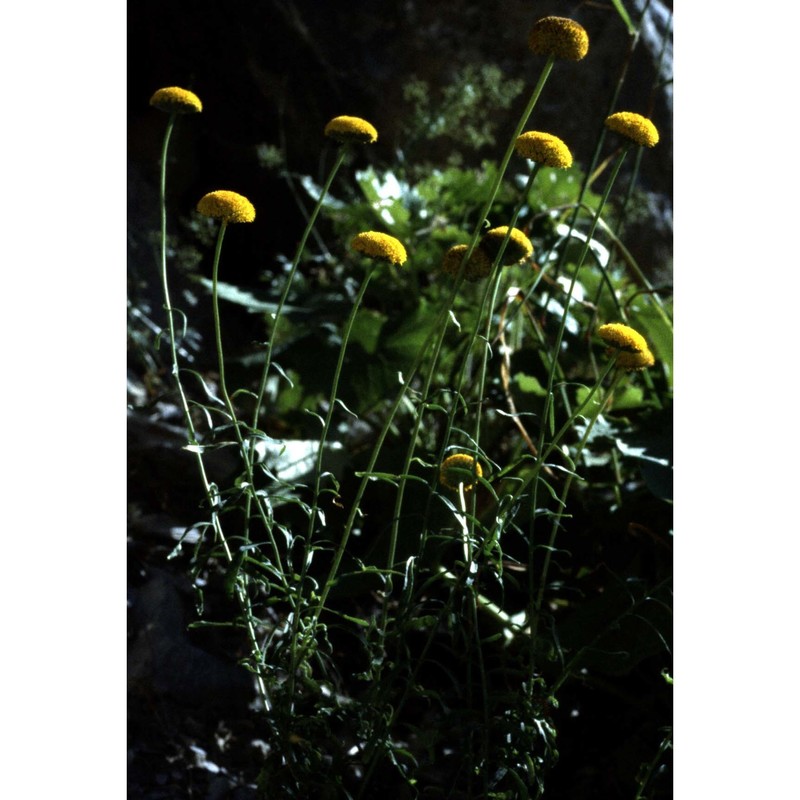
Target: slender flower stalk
(638,132)
(298,256)
(629,351)
(178,101)
(347,131)
(296,651)
(326,424)
(383,248)
(231,207)
(548,410)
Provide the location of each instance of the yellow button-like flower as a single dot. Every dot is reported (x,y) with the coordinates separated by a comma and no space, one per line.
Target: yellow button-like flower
(559,37)
(635,127)
(351,129)
(635,362)
(175,100)
(227,206)
(380,246)
(629,345)
(544,148)
(460,468)
(519,246)
(478,267)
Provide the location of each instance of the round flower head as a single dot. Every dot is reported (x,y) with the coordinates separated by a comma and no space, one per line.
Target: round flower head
(380,246)
(477,268)
(519,246)
(460,468)
(351,129)
(227,206)
(544,148)
(635,362)
(635,127)
(559,37)
(630,345)
(175,100)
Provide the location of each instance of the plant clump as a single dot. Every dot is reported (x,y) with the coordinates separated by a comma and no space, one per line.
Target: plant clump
(364,571)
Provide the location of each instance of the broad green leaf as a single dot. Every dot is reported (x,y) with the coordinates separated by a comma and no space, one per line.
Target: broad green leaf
(529,384)
(366,329)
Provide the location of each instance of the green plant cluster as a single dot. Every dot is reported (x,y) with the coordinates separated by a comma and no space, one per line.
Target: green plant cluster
(407,636)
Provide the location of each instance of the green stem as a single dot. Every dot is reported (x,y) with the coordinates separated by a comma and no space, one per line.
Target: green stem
(282,301)
(581,258)
(348,327)
(665,745)
(250,455)
(210,493)
(535,611)
(494,289)
(223,388)
(545,73)
(548,409)
(165,281)
(354,510)
(544,454)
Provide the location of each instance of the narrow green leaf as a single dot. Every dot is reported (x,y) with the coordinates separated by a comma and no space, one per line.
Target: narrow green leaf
(624,16)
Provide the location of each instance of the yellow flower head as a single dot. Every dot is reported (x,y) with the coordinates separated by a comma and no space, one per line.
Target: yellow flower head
(380,246)
(544,148)
(477,268)
(460,468)
(629,345)
(351,129)
(519,246)
(559,37)
(175,100)
(635,362)
(635,127)
(227,206)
